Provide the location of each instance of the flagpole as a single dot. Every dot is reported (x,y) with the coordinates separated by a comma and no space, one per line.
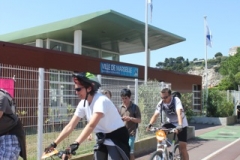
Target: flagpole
(206,75)
(146,42)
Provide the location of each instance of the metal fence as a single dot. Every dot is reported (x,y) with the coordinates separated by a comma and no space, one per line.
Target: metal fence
(46,101)
(234,97)
(45,116)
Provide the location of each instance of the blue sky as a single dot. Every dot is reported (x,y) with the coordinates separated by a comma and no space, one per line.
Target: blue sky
(181,17)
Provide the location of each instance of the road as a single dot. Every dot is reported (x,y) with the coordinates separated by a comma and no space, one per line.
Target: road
(213,143)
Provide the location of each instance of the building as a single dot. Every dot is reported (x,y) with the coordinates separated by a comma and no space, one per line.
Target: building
(232,51)
(94,41)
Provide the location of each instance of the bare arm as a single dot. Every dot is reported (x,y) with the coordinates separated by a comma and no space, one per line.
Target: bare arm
(154,118)
(68,129)
(89,127)
(135,120)
(179,115)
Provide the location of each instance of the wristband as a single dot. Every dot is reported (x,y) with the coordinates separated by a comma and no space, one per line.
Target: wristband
(149,125)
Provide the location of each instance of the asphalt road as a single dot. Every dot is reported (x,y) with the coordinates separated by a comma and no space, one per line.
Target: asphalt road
(212,143)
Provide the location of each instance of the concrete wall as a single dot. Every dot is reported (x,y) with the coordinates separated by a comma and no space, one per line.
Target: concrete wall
(142,147)
(214,120)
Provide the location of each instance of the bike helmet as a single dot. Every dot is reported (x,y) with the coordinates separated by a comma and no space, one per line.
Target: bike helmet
(89,78)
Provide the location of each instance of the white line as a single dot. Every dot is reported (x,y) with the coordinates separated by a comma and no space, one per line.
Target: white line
(216,152)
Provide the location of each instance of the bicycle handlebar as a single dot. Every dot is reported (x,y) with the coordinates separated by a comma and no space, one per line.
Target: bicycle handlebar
(60,154)
(170,130)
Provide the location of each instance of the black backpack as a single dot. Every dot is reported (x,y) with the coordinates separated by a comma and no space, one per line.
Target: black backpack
(174,94)
(177,94)
(11,104)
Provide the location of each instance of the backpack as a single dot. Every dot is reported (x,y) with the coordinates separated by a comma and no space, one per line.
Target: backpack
(11,104)
(174,94)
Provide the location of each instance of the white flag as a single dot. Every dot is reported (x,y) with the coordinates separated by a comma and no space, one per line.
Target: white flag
(208,35)
(151,7)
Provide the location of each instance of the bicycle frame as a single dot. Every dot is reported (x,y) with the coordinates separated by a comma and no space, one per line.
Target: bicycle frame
(163,142)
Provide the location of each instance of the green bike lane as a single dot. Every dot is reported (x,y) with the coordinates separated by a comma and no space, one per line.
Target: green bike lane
(213,141)
(208,141)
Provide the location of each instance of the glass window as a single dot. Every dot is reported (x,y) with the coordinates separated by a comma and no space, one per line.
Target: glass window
(197,97)
(61,46)
(63,99)
(110,56)
(90,52)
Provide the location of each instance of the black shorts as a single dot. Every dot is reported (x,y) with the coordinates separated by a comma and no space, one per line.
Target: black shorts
(182,136)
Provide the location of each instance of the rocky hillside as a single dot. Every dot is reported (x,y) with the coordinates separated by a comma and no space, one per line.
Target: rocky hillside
(213,77)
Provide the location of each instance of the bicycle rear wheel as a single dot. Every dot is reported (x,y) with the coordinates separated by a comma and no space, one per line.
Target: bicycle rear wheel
(176,153)
(157,155)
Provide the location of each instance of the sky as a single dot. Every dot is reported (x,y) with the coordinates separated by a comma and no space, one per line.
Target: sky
(184,18)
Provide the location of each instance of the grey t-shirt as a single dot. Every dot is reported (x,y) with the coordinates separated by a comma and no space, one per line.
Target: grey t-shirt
(8,119)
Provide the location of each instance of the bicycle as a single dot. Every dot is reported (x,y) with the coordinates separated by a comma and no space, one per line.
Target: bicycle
(162,152)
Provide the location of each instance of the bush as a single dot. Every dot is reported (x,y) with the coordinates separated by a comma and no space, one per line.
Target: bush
(187,102)
(148,97)
(217,104)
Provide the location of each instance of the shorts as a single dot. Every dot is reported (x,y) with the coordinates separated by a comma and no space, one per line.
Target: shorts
(131,142)
(106,152)
(182,136)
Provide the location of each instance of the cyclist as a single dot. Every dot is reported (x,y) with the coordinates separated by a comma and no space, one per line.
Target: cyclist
(103,119)
(173,109)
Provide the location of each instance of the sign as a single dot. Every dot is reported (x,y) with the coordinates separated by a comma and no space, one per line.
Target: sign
(8,85)
(120,70)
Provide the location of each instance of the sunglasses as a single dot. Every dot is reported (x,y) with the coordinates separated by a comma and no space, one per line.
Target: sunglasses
(78,89)
(165,97)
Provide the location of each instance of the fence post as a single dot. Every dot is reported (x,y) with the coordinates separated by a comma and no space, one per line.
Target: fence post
(136,92)
(136,102)
(99,77)
(40,112)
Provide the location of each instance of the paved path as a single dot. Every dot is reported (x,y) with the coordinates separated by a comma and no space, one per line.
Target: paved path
(211,139)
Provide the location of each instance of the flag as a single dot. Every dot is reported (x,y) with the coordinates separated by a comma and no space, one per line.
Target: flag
(151,7)
(208,35)
(8,85)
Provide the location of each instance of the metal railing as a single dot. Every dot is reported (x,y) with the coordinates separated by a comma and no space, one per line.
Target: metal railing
(46,101)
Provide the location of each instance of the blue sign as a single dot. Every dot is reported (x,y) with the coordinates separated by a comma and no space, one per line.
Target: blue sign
(120,70)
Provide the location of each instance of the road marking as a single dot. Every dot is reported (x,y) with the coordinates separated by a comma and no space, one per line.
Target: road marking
(216,152)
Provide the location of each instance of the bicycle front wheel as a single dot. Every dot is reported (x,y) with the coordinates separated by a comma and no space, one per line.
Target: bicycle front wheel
(157,155)
(176,153)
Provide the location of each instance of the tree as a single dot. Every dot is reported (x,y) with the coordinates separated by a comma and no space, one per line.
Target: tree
(218,54)
(195,59)
(160,65)
(231,65)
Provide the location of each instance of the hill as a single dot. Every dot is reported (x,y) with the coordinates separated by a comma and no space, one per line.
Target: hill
(213,78)
(196,67)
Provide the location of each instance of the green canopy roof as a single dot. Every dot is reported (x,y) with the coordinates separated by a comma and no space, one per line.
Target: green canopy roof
(108,30)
